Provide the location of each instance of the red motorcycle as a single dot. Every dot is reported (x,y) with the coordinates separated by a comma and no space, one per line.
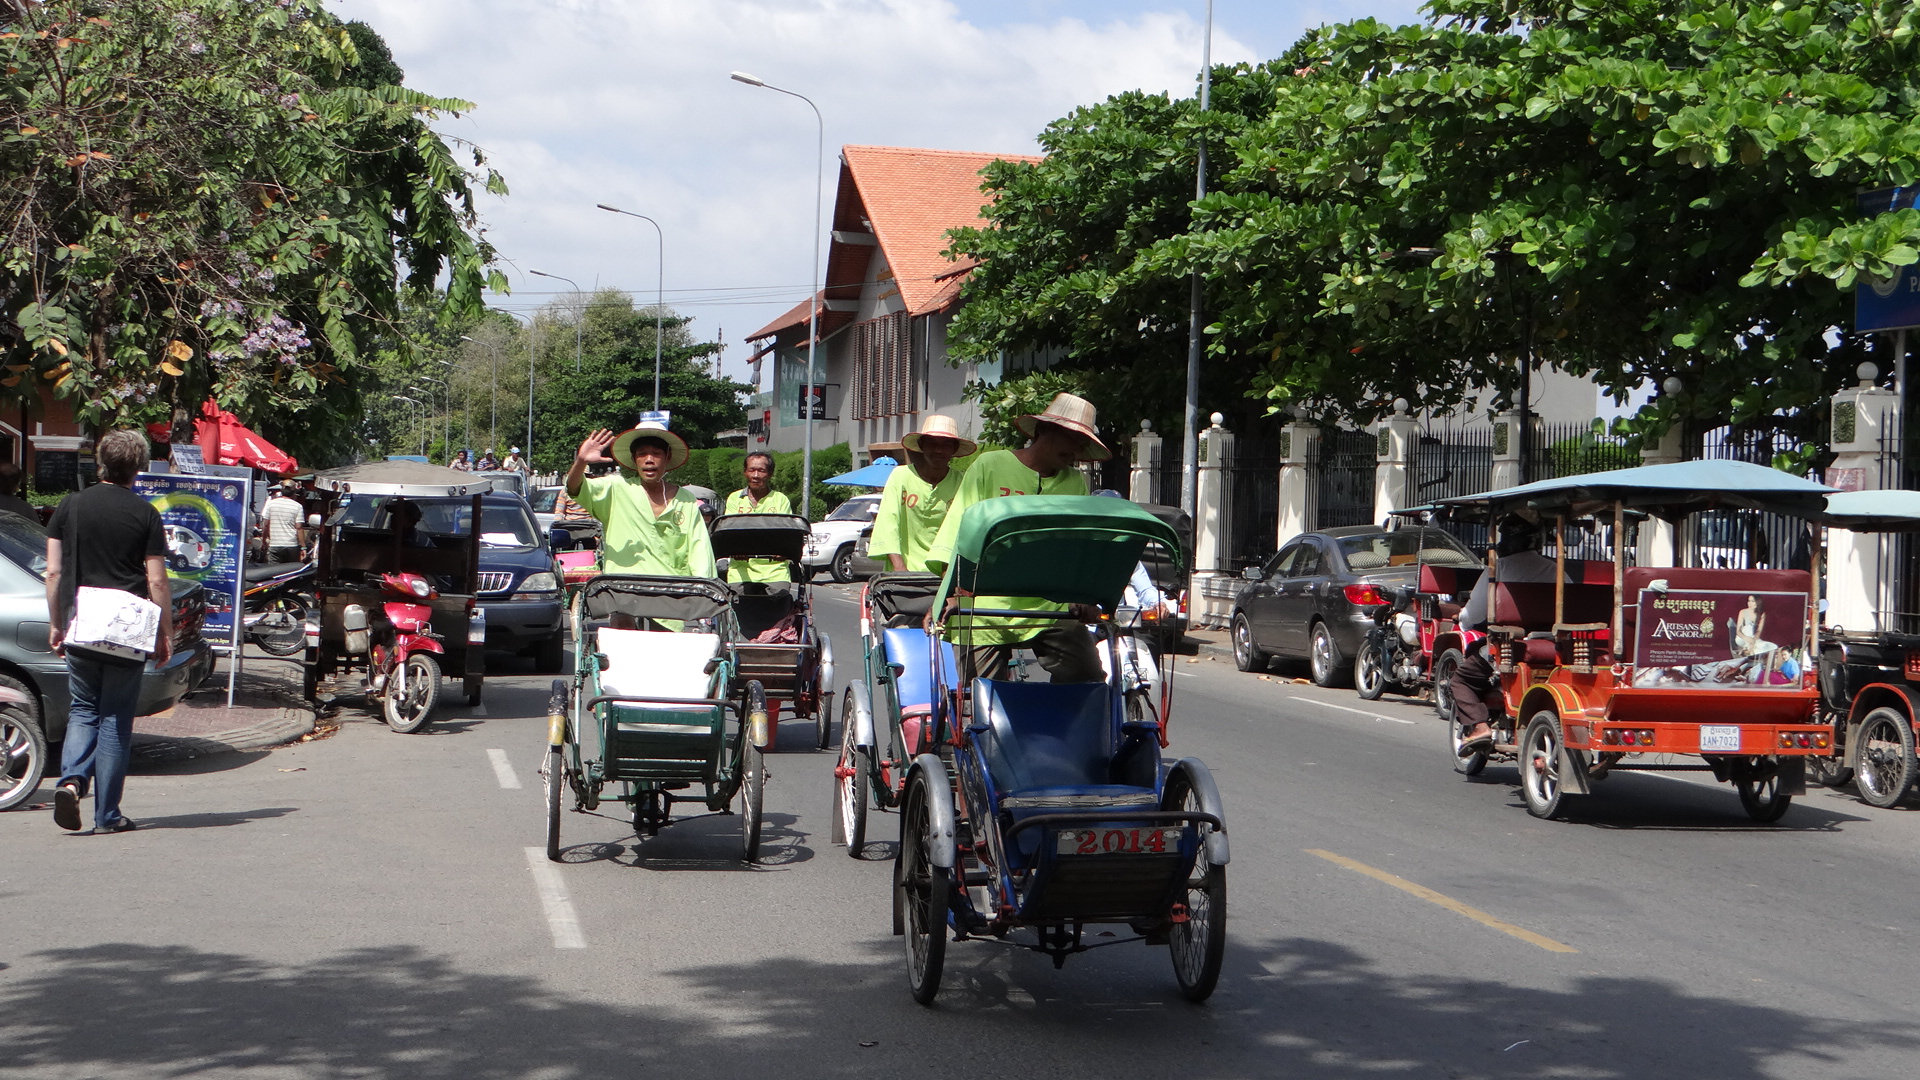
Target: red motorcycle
(405,654)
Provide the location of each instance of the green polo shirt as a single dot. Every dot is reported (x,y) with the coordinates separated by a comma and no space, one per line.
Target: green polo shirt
(776,502)
(995,475)
(674,544)
(910,515)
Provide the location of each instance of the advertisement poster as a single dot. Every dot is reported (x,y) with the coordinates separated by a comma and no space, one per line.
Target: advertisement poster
(1719,639)
(204,519)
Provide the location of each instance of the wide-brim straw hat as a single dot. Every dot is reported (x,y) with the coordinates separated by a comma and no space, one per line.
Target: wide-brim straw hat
(1074,414)
(940,426)
(653,429)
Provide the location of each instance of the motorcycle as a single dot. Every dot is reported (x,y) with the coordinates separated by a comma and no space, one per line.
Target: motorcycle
(276,604)
(1392,655)
(404,652)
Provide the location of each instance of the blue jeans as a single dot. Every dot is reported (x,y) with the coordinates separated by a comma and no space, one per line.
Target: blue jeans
(99,742)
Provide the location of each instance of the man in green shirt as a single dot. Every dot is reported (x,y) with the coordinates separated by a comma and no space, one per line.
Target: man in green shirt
(1060,437)
(652,527)
(914,503)
(758,497)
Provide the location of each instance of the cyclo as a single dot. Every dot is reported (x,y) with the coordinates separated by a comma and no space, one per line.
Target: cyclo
(779,646)
(1610,662)
(1042,807)
(399,606)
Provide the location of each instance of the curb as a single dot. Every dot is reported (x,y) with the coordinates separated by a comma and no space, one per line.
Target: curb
(286,727)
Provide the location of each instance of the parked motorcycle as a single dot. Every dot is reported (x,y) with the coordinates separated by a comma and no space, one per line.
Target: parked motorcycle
(403,650)
(1391,657)
(276,604)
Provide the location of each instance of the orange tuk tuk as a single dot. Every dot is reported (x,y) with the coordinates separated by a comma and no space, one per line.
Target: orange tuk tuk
(1613,667)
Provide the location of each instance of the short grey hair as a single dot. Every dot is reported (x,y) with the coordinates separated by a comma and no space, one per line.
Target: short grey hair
(122,454)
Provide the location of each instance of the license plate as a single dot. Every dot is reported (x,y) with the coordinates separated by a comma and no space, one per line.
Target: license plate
(1720,737)
(1117,841)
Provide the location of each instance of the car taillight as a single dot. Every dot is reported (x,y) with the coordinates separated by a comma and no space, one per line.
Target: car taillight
(1364,595)
(1183,603)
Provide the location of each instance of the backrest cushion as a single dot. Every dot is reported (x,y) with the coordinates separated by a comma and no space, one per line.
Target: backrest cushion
(643,663)
(1045,734)
(907,646)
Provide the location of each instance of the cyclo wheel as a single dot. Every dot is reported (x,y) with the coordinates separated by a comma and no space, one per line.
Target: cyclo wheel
(923,891)
(1760,796)
(850,788)
(823,697)
(1540,764)
(753,775)
(1200,943)
(411,711)
(556,782)
(1883,763)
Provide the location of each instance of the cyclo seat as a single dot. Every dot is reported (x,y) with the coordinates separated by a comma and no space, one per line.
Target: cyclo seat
(1049,749)
(665,737)
(913,686)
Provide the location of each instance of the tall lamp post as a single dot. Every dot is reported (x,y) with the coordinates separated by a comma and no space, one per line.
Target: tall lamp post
(446,406)
(423,433)
(1189,434)
(577,323)
(813,300)
(660,292)
(493,395)
(532,329)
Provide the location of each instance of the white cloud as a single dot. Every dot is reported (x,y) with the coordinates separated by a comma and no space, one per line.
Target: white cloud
(628,102)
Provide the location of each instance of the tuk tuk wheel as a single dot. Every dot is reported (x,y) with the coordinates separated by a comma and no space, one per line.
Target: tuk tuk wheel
(1883,764)
(922,892)
(1471,764)
(1828,772)
(1443,668)
(1198,944)
(1760,794)
(410,712)
(556,782)
(850,787)
(1540,764)
(753,778)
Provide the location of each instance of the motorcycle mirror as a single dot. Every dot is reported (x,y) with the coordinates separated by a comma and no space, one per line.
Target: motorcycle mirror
(313,521)
(1126,618)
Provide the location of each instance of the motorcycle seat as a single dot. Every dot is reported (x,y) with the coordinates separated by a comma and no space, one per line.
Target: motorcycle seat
(263,571)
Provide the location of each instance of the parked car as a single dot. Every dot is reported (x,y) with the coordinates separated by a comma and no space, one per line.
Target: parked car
(544,501)
(1310,601)
(505,482)
(27,665)
(519,580)
(834,544)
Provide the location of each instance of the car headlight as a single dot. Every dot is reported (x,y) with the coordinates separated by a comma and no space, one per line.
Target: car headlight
(534,585)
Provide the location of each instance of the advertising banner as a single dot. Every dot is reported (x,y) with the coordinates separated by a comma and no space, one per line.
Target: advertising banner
(205,521)
(1720,639)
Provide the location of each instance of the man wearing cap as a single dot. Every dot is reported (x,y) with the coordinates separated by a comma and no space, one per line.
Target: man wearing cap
(1059,438)
(914,503)
(758,497)
(652,527)
(515,463)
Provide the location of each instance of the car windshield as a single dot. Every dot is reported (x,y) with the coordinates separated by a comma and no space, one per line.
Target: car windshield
(855,510)
(504,523)
(543,499)
(1404,547)
(25,543)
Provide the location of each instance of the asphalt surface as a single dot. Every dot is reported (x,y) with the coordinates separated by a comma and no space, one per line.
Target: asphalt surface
(366,906)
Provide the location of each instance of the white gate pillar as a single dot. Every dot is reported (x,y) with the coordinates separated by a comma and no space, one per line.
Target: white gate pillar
(1656,536)
(1210,601)
(1865,431)
(1143,478)
(1299,447)
(1506,451)
(1394,457)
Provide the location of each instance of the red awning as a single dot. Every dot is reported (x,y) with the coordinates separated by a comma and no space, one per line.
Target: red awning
(224,440)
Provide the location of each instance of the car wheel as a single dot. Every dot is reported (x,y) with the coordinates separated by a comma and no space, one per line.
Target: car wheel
(843,564)
(1323,658)
(1246,655)
(23,748)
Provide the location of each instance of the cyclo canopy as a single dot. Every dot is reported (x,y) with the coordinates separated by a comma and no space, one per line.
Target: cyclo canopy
(1069,549)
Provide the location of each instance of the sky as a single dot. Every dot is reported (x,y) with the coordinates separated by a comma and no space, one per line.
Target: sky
(628,102)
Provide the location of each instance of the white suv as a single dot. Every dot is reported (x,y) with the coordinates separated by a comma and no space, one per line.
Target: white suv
(835,543)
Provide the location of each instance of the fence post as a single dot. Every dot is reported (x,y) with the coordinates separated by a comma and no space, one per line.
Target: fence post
(1865,442)
(1143,479)
(1213,587)
(1396,436)
(1657,536)
(1506,451)
(1299,448)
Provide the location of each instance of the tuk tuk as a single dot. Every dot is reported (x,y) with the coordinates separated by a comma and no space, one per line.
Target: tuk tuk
(1870,676)
(397,573)
(1611,663)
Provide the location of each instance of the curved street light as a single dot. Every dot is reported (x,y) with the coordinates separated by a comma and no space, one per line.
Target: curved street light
(660,294)
(532,330)
(577,323)
(813,301)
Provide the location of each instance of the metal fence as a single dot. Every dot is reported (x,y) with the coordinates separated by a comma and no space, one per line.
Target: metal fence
(1342,465)
(1743,539)
(1897,607)
(1449,462)
(1253,508)
(1570,449)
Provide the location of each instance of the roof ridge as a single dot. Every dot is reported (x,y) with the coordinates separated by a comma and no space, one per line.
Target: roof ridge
(992,154)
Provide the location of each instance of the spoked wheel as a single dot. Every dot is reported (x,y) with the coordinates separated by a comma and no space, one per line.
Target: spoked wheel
(1760,794)
(1369,673)
(1200,942)
(23,756)
(1540,764)
(753,776)
(1883,764)
(850,786)
(1443,667)
(1828,772)
(410,711)
(282,629)
(923,890)
(556,782)
(823,698)
(1471,764)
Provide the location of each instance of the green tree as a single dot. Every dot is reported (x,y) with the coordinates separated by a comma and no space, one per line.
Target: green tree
(219,198)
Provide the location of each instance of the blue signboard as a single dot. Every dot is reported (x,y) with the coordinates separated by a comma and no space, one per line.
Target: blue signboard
(1893,303)
(205,522)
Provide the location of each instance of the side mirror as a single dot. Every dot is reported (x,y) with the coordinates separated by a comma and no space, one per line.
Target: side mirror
(1252,573)
(313,521)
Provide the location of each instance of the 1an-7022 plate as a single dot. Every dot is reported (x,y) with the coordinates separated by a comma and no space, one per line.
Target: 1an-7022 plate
(1720,738)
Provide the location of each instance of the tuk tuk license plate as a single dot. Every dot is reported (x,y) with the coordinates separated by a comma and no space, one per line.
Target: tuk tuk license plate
(1720,737)
(1117,841)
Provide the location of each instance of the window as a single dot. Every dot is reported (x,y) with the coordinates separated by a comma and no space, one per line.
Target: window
(1404,547)
(1282,564)
(1310,563)
(883,367)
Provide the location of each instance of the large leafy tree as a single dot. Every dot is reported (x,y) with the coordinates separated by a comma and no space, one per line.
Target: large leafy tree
(218,198)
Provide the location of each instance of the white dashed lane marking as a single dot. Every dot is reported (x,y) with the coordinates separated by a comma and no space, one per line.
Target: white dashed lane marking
(503,770)
(1346,708)
(561,920)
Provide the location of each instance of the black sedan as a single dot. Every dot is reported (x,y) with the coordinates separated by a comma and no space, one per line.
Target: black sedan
(1311,600)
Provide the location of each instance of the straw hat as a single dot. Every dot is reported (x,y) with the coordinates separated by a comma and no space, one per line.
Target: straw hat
(940,426)
(649,429)
(1074,414)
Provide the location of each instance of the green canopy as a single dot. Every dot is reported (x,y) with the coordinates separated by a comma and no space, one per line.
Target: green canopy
(1069,549)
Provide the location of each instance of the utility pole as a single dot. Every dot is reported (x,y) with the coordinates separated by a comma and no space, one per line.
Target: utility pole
(1189,432)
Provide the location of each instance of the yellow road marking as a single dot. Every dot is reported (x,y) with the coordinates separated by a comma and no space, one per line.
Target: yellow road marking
(1445,901)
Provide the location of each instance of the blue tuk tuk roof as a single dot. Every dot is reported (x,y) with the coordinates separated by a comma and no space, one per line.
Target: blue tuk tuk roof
(1874,511)
(1669,490)
(1070,549)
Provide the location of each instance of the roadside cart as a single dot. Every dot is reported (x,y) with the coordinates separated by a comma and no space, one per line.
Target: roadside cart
(370,571)
(1042,808)
(1616,668)
(779,645)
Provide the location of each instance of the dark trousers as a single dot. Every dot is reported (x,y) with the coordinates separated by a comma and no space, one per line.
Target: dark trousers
(1067,651)
(99,743)
(1474,686)
(283,554)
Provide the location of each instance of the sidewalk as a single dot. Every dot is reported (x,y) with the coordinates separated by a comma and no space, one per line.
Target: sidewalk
(267,711)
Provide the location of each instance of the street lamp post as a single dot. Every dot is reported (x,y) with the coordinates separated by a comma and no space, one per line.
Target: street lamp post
(813,301)
(532,330)
(660,293)
(577,323)
(1190,434)
(493,395)
(423,434)
(445,404)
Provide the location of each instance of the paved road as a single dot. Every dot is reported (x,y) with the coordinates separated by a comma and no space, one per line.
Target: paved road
(365,906)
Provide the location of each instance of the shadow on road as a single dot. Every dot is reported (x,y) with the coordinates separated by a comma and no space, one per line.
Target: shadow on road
(1291,1007)
(217,819)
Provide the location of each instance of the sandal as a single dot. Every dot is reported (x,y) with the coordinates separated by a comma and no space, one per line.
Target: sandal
(1477,744)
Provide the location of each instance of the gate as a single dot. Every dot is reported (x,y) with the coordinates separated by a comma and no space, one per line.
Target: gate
(1743,539)
(1342,464)
(1449,462)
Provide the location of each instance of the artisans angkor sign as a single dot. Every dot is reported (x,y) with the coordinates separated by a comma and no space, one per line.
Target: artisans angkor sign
(1720,638)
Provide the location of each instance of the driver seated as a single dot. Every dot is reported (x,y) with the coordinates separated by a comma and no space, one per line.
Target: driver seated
(1476,685)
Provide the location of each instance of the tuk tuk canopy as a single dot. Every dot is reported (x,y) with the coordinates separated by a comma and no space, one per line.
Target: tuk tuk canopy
(1874,511)
(1669,491)
(1069,549)
(409,478)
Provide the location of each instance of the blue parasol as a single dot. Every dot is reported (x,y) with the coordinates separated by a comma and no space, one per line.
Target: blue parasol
(874,475)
